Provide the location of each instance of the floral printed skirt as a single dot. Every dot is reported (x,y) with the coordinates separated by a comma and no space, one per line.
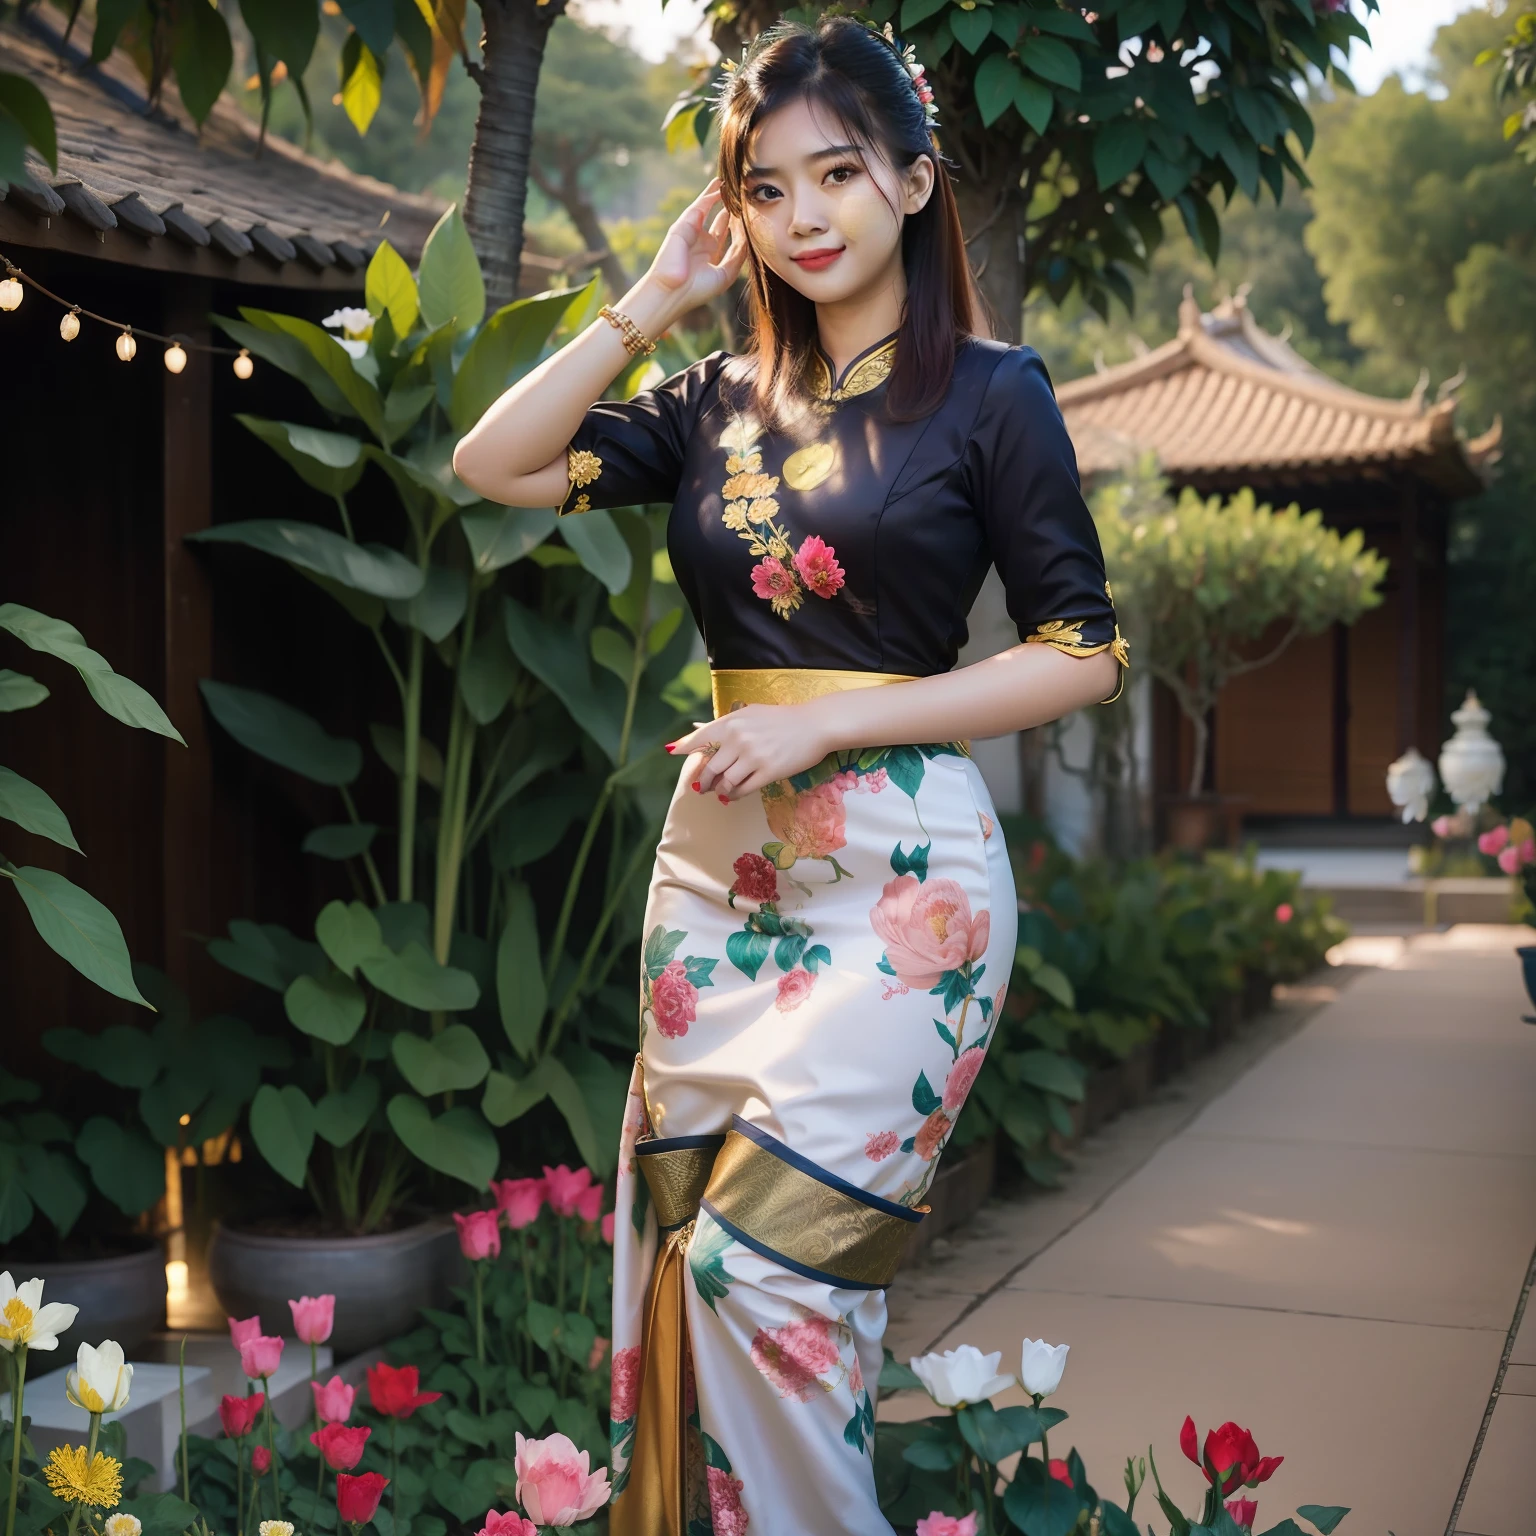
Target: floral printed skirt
(822,968)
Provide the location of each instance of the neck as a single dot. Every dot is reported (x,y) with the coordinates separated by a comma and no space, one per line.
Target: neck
(850,326)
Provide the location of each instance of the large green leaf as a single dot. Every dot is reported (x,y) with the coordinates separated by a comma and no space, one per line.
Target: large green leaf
(125,1056)
(349,933)
(375,20)
(449,1061)
(34,809)
(437,608)
(341,840)
(283,1128)
(341,1115)
(508,1098)
(451,288)
(499,536)
(414,978)
(520,991)
(18,691)
(77,927)
(1052,60)
(1052,1072)
(458,1143)
(389,742)
(508,345)
(488,676)
(203,55)
(331,1008)
(122,699)
(996,78)
(334,362)
(128,1168)
(331,462)
(600,547)
(390,289)
(26,113)
(284,29)
(290,355)
(370,568)
(55,1186)
(595,702)
(282,734)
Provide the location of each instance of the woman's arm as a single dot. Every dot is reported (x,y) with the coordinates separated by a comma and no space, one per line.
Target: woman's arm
(515,454)
(1018,688)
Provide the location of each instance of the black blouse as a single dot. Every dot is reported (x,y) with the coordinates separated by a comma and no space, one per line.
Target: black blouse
(860,543)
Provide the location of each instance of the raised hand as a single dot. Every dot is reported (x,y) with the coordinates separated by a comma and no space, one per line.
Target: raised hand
(702,253)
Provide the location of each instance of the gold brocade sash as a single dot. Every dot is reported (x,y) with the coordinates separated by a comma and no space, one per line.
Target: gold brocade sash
(788,685)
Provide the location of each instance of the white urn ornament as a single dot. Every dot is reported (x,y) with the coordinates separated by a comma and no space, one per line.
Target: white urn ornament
(1471,762)
(1410,783)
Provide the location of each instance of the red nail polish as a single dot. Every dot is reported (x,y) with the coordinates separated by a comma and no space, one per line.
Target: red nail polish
(697,788)
(723,799)
(671,745)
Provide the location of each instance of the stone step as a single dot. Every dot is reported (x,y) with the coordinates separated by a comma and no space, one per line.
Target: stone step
(1462,900)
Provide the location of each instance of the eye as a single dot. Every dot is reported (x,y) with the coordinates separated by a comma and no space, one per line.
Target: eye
(845,171)
(762,186)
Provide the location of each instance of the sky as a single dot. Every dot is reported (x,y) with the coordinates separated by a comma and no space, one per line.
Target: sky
(1400,34)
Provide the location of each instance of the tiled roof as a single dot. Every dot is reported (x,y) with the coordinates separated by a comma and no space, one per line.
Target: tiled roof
(1226,401)
(149,188)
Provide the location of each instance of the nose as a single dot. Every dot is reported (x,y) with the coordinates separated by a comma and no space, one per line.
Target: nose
(808,215)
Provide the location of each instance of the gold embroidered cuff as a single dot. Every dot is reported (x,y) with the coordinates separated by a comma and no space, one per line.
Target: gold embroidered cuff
(676,1170)
(1066,636)
(582,467)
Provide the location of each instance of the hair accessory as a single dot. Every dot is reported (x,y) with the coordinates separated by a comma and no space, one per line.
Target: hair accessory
(908,56)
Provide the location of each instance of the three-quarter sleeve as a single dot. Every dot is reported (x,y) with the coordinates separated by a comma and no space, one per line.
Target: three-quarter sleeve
(630,451)
(1023,481)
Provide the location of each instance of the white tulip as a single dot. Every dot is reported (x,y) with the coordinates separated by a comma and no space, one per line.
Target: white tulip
(99,1382)
(961,1376)
(1042,1365)
(25,1320)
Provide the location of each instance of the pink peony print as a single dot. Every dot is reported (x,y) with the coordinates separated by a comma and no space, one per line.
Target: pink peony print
(674,1000)
(940,1524)
(855,1375)
(771,578)
(879,1145)
(792,1357)
(931,1137)
(958,1084)
(794,987)
(816,561)
(928,929)
(625,1398)
(756,878)
(876,781)
(813,823)
(726,1513)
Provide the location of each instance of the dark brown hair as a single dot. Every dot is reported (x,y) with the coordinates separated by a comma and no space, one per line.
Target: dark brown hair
(843,66)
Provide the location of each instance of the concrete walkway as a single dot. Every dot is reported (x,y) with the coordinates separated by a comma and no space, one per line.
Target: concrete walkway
(1325,1232)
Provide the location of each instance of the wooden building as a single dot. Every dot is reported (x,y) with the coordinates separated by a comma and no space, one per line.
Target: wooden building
(1226,405)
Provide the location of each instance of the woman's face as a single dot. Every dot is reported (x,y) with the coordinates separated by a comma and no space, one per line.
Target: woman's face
(822,212)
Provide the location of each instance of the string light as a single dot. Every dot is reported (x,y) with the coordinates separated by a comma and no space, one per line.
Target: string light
(244,367)
(126,345)
(10,292)
(69,326)
(175,358)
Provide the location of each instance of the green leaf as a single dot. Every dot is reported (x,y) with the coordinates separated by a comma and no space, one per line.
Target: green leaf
(437,609)
(971,28)
(488,676)
(500,536)
(389,742)
(1052,60)
(282,734)
(612,651)
(18,691)
(996,81)
(1324,1516)
(391,289)
(330,462)
(1042,1508)
(34,810)
(28,107)
(331,1008)
(283,1128)
(1117,150)
(314,350)
(508,345)
(160,1514)
(362,82)
(349,933)
(600,547)
(1055,1074)
(447,1062)
(125,1056)
(1035,103)
(341,1116)
(572,1104)
(77,927)
(53,1182)
(374,19)
(414,978)
(284,29)
(370,568)
(128,1168)
(343,840)
(1054,984)
(520,991)
(120,698)
(452,290)
(458,1143)
(202,55)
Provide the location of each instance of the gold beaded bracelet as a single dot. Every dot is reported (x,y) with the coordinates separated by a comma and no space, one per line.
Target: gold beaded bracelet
(636,343)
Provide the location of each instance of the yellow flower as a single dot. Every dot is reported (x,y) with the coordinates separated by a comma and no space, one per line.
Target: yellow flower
(737,463)
(750,486)
(122,1525)
(763,510)
(25,1320)
(76,1480)
(99,1383)
(735,516)
(778,548)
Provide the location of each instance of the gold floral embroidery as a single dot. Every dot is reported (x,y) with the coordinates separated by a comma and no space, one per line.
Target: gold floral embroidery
(1066,635)
(865,375)
(582,467)
(583,504)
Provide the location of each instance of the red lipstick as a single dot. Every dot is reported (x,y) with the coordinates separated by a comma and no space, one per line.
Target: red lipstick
(818,260)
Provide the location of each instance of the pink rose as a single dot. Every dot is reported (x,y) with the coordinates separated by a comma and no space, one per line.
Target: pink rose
(958,1084)
(510,1524)
(726,1514)
(241,1329)
(565,1189)
(607,1228)
(1284,912)
(792,1357)
(931,1137)
(813,823)
(674,1000)
(939,1524)
(817,563)
(1493,842)
(589,1204)
(598,1353)
(771,579)
(1441,826)
(928,929)
(519,1200)
(756,878)
(1509,860)
(879,1145)
(313,1318)
(794,987)
(259,1356)
(333,1401)
(625,1396)
(554,1483)
(479,1234)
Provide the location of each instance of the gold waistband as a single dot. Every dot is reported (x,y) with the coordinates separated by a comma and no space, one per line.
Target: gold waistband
(789,685)
(676,1171)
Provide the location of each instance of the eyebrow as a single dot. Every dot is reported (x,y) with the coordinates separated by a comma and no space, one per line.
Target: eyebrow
(820,154)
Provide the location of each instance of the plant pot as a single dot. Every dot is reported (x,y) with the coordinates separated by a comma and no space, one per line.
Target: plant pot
(380,1283)
(1197,822)
(120,1298)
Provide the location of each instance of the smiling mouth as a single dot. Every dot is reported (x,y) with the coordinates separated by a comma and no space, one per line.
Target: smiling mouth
(816,260)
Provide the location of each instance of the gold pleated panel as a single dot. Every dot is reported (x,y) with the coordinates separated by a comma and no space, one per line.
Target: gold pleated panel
(676,1177)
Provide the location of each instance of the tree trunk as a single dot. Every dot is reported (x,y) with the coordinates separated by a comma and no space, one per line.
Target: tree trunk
(516,32)
(567,192)
(992,218)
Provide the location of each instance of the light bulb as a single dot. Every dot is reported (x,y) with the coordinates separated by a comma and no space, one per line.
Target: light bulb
(243,365)
(10,293)
(127,346)
(69,326)
(175,358)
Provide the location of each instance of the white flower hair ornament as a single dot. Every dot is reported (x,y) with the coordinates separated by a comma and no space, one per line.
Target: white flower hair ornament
(908,56)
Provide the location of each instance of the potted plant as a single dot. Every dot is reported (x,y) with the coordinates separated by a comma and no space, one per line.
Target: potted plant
(51,1166)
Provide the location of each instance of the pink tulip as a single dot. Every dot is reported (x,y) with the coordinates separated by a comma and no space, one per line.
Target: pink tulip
(333,1401)
(1244,1512)
(940,1524)
(242,1329)
(313,1318)
(565,1189)
(608,1228)
(554,1484)
(259,1356)
(589,1204)
(519,1200)
(1492,842)
(479,1234)
(512,1524)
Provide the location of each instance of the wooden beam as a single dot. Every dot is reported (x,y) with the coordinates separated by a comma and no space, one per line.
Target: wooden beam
(1340,720)
(1408,617)
(186,808)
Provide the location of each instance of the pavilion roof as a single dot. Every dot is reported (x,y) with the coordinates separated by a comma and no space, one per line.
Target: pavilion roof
(1225,401)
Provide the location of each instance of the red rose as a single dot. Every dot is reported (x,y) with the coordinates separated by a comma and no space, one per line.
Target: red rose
(756,878)
(393,1391)
(341,1444)
(357,1498)
(1244,1512)
(261,1460)
(1230,1454)
(238,1414)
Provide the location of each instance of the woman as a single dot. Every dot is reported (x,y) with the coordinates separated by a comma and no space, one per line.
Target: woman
(831,920)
